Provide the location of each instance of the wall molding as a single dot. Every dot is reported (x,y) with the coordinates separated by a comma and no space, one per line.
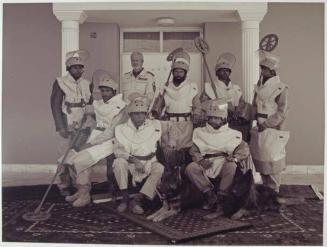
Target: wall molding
(37,174)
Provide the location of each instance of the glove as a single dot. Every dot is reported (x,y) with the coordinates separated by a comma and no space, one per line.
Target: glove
(63,133)
(206,164)
(139,167)
(261,127)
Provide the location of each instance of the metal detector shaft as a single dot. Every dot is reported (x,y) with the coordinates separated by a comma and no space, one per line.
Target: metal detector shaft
(38,209)
(210,77)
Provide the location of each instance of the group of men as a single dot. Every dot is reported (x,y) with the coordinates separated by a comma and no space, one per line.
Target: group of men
(122,129)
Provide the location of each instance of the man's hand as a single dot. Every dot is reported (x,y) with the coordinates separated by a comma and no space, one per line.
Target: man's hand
(231,158)
(139,167)
(63,133)
(85,146)
(206,164)
(261,127)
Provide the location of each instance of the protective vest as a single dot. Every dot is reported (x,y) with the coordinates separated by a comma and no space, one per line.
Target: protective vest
(210,141)
(77,93)
(139,142)
(231,93)
(105,113)
(179,99)
(266,98)
(268,149)
(142,83)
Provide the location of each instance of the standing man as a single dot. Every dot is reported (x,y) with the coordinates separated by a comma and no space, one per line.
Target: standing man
(138,80)
(135,149)
(232,93)
(109,112)
(215,152)
(270,108)
(179,98)
(70,95)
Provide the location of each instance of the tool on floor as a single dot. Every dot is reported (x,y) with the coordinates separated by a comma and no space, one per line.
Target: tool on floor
(38,214)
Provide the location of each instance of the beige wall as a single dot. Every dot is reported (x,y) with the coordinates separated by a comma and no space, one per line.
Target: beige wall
(31,61)
(300,27)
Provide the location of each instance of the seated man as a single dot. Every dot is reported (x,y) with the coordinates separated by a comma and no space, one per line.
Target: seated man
(135,151)
(109,112)
(215,152)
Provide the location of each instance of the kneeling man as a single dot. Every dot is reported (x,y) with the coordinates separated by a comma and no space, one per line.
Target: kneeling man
(215,152)
(135,151)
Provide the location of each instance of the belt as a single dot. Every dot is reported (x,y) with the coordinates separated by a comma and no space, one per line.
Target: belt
(218,154)
(71,105)
(146,157)
(262,115)
(179,116)
(100,128)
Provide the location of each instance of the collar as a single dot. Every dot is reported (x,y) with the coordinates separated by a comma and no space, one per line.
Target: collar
(211,130)
(183,84)
(270,81)
(132,126)
(136,74)
(71,79)
(221,84)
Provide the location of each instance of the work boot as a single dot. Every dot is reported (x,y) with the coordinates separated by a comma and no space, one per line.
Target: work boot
(124,203)
(210,200)
(218,210)
(65,192)
(72,198)
(136,204)
(84,197)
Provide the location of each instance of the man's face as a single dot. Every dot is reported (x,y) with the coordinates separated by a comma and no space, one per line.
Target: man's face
(137,62)
(138,118)
(216,122)
(76,71)
(107,93)
(265,71)
(179,75)
(223,74)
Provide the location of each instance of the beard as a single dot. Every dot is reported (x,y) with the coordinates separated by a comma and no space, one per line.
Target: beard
(178,80)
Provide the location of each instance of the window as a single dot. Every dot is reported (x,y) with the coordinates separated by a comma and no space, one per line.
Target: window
(173,40)
(141,41)
(162,41)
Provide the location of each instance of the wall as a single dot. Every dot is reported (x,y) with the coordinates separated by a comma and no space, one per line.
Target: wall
(31,61)
(104,49)
(300,27)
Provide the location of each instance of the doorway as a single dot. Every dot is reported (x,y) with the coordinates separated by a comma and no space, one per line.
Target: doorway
(156,44)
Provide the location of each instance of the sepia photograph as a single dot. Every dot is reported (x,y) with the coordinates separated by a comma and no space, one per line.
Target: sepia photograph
(163,122)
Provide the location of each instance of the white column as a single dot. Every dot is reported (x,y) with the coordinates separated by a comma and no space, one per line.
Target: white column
(250,60)
(69,40)
(70,21)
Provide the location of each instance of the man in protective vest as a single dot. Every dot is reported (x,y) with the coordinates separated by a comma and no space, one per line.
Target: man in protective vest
(69,98)
(109,112)
(180,101)
(135,150)
(138,80)
(232,93)
(215,152)
(270,108)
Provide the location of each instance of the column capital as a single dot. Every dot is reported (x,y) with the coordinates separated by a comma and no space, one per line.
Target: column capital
(71,15)
(252,11)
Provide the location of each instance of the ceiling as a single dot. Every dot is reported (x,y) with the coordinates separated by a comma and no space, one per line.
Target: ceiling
(148,18)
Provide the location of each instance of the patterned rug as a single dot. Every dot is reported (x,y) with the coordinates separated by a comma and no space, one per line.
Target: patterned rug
(97,223)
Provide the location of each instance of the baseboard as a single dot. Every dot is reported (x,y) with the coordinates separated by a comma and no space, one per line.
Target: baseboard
(36,174)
